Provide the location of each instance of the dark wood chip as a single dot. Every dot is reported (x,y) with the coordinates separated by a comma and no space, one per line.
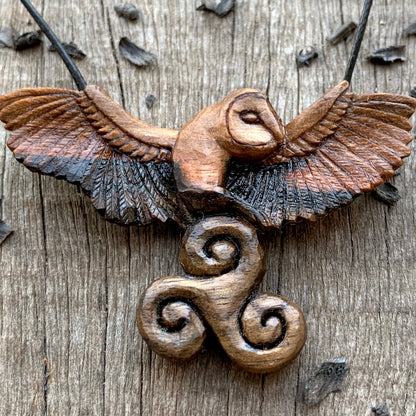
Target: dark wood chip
(342,33)
(7,37)
(326,379)
(413,92)
(136,55)
(127,10)
(388,55)
(150,100)
(5,231)
(306,56)
(72,50)
(411,29)
(386,193)
(224,7)
(28,40)
(220,7)
(381,410)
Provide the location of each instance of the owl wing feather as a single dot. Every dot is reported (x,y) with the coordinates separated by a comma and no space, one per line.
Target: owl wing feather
(88,139)
(341,146)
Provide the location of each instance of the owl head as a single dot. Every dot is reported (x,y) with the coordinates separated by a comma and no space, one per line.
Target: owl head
(248,125)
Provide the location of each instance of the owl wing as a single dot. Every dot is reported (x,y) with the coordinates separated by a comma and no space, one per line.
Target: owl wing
(122,163)
(341,146)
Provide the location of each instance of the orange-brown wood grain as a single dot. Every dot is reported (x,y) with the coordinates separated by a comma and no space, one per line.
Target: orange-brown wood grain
(70,281)
(235,158)
(225,263)
(235,154)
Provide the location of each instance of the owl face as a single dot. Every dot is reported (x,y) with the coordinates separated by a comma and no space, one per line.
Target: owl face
(254,130)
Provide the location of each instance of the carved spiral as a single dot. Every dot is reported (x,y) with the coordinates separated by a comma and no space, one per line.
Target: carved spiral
(224,262)
(262,323)
(215,245)
(276,327)
(272,332)
(169,317)
(168,320)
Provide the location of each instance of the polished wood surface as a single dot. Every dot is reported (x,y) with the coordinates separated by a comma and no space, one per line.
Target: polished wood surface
(351,273)
(225,263)
(342,145)
(339,147)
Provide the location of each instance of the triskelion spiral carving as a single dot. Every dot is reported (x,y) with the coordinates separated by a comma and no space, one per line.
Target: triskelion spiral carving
(224,263)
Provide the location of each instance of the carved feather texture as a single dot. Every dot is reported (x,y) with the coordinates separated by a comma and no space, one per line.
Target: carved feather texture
(341,146)
(354,147)
(63,133)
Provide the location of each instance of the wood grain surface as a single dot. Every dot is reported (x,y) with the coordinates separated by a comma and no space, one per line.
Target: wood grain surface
(70,282)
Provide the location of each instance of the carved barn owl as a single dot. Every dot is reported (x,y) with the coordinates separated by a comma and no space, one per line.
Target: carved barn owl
(234,153)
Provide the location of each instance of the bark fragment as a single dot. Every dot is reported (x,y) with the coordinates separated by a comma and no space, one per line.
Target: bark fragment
(306,56)
(150,100)
(388,55)
(7,37)
(342,33)
(386,193)
(5,231)
(135,54)
(328,378)
(28,40)
(127,10)
(72,50)
(220,7)
(411,29)
(381,410)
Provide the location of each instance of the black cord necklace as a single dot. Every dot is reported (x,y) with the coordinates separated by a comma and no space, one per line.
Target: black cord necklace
(80,81)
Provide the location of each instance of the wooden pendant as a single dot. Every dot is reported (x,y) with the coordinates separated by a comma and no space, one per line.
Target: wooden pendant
(224,263)
(236,166)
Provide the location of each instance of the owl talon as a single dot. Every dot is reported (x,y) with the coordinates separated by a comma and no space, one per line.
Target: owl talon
(220,200)
(248,212)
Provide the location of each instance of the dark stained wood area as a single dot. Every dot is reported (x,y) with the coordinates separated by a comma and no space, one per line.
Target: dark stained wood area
(70,282)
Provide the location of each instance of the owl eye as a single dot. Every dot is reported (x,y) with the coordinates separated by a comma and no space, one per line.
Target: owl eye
(250,117)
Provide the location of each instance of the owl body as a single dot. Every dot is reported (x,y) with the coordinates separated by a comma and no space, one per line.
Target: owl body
(242,126)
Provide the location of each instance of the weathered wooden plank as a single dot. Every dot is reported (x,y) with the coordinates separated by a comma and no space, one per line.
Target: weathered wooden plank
(345,262)
(70,283)
(22,258)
